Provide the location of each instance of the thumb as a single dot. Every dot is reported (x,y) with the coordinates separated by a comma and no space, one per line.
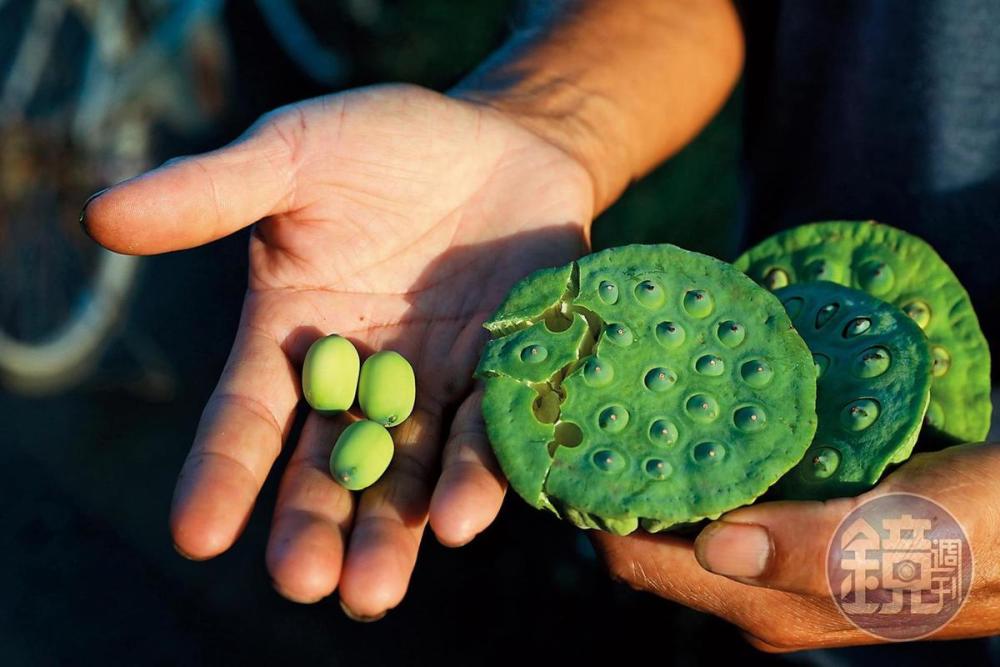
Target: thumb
(193,200)
(781,545)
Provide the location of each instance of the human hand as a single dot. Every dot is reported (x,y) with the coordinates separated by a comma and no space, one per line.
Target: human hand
(763,567)
(396,217)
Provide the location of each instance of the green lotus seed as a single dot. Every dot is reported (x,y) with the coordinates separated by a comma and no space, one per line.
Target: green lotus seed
(660,379)
(822,463)
(919,312)
(608,461)
(940,361)
(872,362)
(534,354)
(387,389)
(826,314)
(362,453)
(935,415)
(876,277)
(756,373)
(860,414)
(708,452)
(330,374)
(546,407)
(698,303)
(750,419)
(598,372)
(702,408)
(608,292)
(613,419)
(663,432)
(857,326)
(730,333)
(709,364)
(619,334)
(649,294)
(793,307)
(822,362)
(658,468)
(670,334)
(775,279)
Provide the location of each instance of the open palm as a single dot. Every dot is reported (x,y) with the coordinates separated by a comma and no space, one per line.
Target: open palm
(398,218)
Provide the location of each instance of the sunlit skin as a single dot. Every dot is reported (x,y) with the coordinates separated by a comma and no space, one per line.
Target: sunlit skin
(399,217)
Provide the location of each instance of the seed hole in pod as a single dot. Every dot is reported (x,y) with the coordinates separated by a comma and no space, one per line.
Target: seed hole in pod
(826,313)
(818,269)
(756,373)
(619,334)
(750,418)
(775,278)
(546,407)
(670,334)
(708,452)
(608,460)
(698,303)
(557,321)
(568,434)
(613,418)
(872,362)
(919,312)
(649,294)
(598,372)
(534,354)
(660,379)
(658,468)
(934,416)
(857,326)
(731,333)
(940,361)
(860,414)
(711,365)
(822,362)
(793,306)
(821,463)
(702,408)
(607,291)
(876,277)
(663,432)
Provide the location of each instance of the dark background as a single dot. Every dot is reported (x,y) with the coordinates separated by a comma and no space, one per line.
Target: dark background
(86,477)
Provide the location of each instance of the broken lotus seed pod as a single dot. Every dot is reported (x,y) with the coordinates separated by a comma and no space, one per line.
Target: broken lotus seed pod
(904,270)
(330,374)
(387,389)
(872,392)
(362,454)
(679,394)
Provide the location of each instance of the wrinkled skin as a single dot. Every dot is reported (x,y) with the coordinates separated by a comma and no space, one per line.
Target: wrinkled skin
(396,217)
(788,606)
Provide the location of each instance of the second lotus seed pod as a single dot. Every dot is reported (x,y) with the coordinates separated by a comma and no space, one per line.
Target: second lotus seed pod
(387,389)
(330,374)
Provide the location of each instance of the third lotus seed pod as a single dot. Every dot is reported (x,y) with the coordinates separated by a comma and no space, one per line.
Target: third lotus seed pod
(362,453)
(330,374)
(387,389)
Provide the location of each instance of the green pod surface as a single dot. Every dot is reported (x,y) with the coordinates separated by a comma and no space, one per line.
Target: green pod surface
(645,387)
(330,374)
(905,271)
(362,454)
(387,389)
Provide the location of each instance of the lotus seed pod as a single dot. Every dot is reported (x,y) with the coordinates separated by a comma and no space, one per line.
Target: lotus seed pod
(872,392)
(679,390)
(903,270)
(388,389)
(362,454)
(330,374)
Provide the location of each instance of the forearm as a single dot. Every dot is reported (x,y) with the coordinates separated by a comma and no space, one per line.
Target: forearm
(618,85)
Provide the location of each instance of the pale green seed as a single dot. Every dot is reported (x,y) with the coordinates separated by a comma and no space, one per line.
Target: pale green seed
(330,374)
(361,455)
(387,389)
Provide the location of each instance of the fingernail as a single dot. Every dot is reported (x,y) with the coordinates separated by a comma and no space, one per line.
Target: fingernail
(359,618)
(734,549)
(83,209)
